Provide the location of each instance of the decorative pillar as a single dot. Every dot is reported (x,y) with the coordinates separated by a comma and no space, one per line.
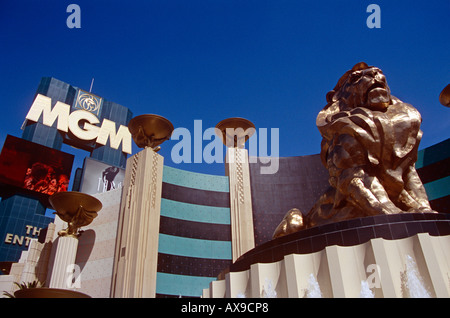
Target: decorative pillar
(238,172)
(66,252)
(136,254)
(78,210)
(234,132)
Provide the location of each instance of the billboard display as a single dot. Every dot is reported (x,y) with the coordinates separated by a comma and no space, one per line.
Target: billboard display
(99,177)
(33,167)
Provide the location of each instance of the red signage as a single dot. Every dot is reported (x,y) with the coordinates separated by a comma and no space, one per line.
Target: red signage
(27,165)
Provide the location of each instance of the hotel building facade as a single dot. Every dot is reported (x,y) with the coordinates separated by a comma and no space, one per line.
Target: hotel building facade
(169,232)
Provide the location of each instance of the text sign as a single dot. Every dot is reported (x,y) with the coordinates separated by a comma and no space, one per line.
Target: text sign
(67,121)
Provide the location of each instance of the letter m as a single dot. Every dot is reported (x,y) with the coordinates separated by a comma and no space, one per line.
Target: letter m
(108,130)
(43,105)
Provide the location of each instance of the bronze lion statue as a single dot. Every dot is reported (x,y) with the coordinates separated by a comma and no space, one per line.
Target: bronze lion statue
(369,146)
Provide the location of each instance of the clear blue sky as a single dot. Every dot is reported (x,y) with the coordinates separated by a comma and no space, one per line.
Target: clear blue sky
(271,62)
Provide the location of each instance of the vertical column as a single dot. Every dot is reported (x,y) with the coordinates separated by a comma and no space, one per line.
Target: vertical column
(29,273)
(264,280)
(242,233)
(436,259)
(217,289)
(238,284)
(136,254)
(386,256)
(346,268)
(66,252)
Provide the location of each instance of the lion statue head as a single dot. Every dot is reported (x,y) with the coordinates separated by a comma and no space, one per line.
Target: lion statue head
(362,86)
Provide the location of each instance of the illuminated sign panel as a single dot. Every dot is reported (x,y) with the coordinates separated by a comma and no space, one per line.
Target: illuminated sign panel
(99,177)
(81,123)
(27,165)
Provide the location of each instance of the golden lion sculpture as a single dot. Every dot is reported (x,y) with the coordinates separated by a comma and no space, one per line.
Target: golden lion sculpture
(369,146)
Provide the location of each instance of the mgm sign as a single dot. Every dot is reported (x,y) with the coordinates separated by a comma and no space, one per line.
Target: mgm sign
(82,124)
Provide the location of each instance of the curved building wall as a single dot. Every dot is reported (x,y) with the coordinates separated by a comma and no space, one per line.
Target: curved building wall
(195,236)
(298,183)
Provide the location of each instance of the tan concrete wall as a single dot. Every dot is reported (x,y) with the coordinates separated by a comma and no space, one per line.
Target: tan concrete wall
(95,251)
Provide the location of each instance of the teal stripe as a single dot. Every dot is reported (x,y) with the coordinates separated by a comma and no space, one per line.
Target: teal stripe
(172,284)
(183,246)
(195,180)
(194,212)
(419,162)
(438,188)
(433,154)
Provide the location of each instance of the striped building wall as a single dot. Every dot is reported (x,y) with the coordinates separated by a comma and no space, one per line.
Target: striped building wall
(433,167)
(195,233)
(301,180)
